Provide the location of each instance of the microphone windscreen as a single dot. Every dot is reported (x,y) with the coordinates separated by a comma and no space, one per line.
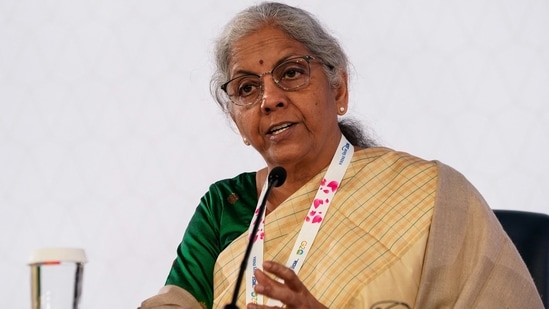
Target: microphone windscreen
(277,176)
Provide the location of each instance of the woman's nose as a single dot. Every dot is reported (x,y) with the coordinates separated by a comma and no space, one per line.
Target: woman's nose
(273,97)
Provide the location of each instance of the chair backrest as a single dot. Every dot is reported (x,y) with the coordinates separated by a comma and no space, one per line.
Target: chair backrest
(529,231)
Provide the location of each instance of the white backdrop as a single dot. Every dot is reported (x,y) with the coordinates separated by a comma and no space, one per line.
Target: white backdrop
(108,134)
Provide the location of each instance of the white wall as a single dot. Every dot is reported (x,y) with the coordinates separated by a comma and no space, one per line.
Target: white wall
(108,135)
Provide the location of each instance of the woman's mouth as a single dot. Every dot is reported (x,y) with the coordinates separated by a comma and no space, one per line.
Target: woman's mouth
(279,129)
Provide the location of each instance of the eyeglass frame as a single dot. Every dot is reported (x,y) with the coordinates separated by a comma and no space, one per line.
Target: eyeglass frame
(307,58)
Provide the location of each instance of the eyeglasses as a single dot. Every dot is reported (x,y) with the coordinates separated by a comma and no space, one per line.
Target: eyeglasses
(290,75)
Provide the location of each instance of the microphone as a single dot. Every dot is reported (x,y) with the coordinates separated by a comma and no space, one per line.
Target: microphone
(277,176)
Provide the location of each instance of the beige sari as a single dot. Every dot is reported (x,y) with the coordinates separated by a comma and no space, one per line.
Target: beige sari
(401,232)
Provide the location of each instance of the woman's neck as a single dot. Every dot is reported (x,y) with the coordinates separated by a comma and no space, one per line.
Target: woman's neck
(296,177)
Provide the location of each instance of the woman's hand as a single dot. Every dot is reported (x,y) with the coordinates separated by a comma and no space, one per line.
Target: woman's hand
(292,293)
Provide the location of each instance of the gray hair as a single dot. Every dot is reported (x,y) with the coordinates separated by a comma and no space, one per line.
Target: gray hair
(298,24)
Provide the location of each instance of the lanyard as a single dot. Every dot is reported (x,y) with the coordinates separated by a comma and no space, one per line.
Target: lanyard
(328,187)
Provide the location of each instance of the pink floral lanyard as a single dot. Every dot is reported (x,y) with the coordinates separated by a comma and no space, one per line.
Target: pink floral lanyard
(311,225)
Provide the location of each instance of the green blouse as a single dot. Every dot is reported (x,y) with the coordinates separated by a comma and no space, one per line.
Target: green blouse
(224,213)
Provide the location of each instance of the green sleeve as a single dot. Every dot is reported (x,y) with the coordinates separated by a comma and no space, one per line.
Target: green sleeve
(224,213)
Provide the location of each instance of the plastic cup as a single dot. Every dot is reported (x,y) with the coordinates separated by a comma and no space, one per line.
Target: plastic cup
(56,277)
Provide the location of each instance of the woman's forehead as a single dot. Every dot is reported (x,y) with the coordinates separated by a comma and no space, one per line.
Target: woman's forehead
(263,48)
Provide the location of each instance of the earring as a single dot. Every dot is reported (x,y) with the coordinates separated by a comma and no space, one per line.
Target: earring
(341,110)
(246,142)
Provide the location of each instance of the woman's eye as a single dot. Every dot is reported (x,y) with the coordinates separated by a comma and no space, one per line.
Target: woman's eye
(292,73)
(246,89)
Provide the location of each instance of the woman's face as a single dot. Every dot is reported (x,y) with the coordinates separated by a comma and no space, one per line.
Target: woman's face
(286,127)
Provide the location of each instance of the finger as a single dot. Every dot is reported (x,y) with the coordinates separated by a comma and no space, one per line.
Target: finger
(291,292)
(273,289)
(256,306)
(265,284)
(288,275)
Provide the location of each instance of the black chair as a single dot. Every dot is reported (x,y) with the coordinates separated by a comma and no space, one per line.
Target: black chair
(529,231)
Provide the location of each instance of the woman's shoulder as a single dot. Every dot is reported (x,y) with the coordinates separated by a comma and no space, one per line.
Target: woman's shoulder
(242,180)
(236,191)
(388,156)
(384,158)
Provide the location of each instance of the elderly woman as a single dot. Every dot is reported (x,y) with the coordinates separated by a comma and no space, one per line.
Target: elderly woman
(353,226)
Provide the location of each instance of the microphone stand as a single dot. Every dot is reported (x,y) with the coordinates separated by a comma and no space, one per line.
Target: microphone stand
(276,178)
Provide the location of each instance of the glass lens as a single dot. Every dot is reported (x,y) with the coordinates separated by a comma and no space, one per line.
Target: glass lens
(292,74)
(244,90)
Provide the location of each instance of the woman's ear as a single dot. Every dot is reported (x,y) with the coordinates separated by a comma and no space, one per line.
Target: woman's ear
(235,125)
(341,94)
